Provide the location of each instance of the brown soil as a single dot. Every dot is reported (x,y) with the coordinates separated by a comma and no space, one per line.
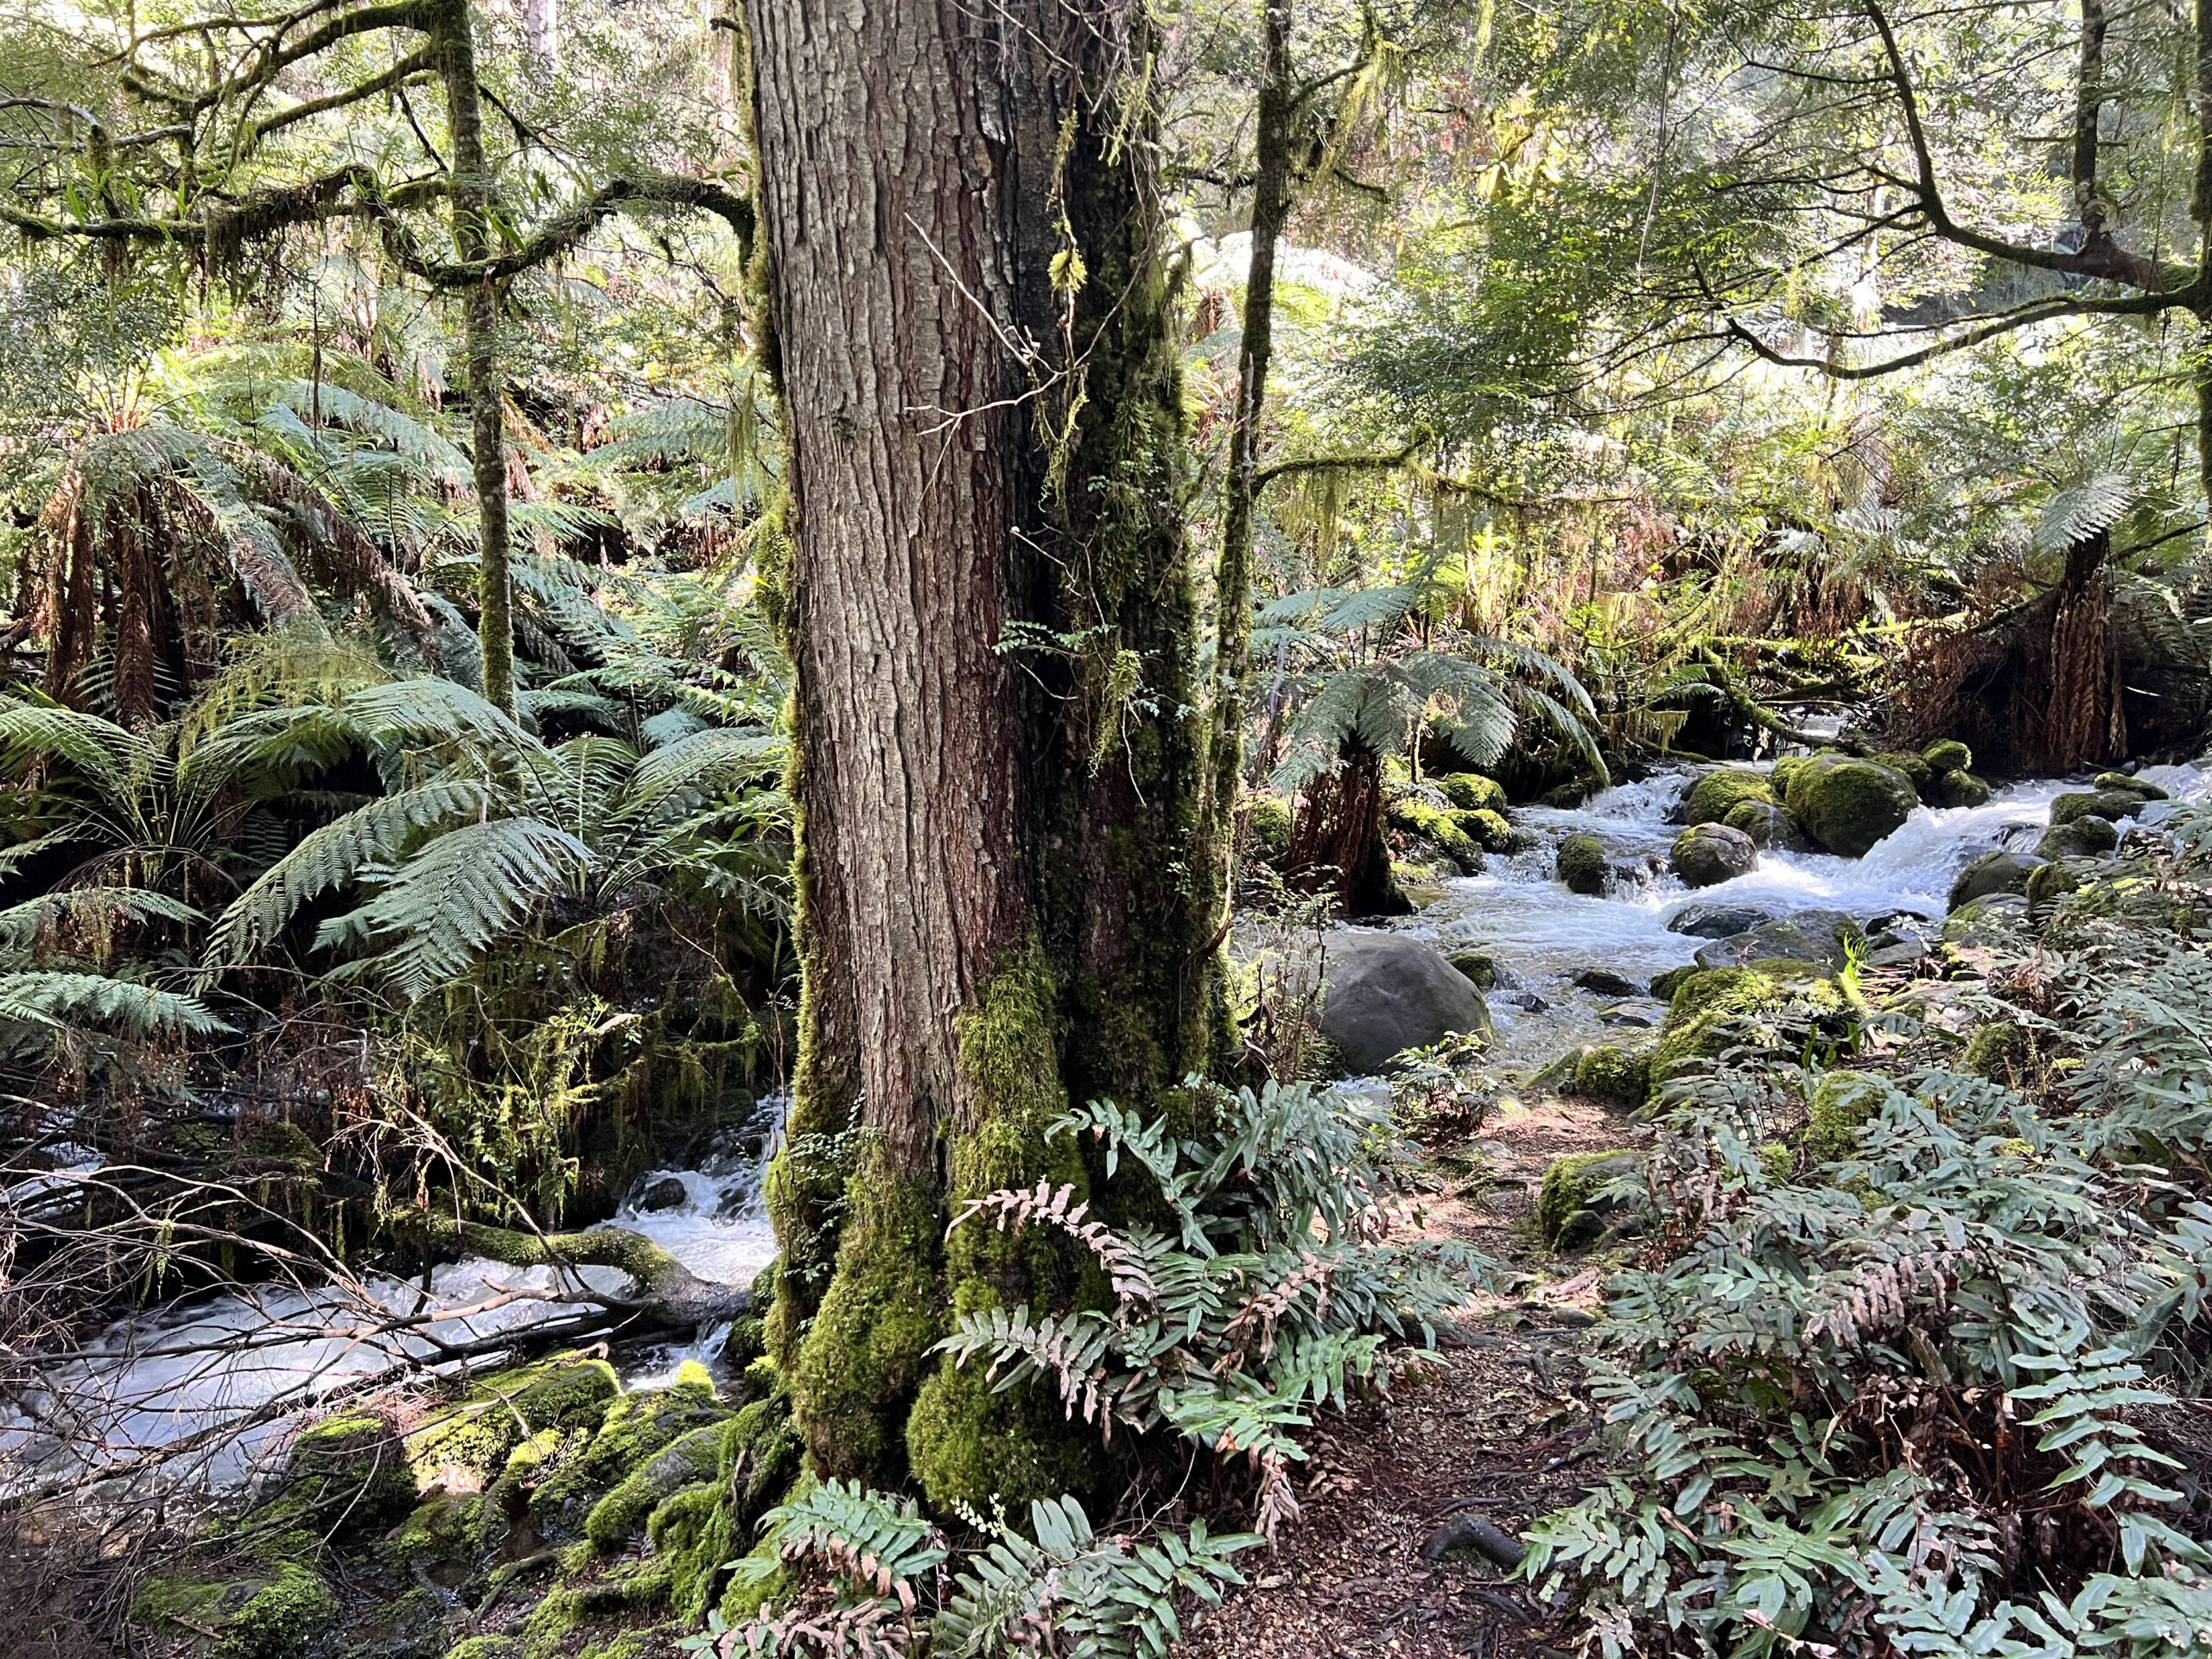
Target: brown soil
(1504,1432)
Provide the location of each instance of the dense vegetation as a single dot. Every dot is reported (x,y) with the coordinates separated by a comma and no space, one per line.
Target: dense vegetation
(603,589)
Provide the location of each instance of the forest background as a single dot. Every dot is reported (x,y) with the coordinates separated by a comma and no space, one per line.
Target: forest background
(423,682)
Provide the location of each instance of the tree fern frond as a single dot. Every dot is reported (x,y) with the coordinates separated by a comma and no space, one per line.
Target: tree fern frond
(331,857)
(440,909)
(52,1000)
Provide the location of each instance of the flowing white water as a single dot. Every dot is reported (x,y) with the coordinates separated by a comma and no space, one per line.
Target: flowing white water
(1542,936)
(192,1367)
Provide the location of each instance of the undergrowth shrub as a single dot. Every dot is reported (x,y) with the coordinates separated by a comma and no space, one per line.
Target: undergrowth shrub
(1275,1283)
(1914,1402)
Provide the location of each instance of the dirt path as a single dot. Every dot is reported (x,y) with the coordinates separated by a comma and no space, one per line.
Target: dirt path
(1500,1434)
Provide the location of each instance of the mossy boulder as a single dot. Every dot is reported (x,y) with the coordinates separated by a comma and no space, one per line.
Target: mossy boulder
(1664,986)
(473,1435)
(1911,767)
(1947,754)
(1993,873)
(2123,784)
(1768,825)
(2000,1052)
(2083,838)
(1488,830)
(2109,803)
(621,1514)
(1469,791)
(1266,827)
(1847,804)
(1788,766)
(1960,788)
(280,1618)
(1705,1005)
(636,1428)
(2049,883)
(1619,1076)
(347,1476)
(439,1540)
(1583,867)
(1412,816)
(1839,1106)
(1573,1187)
(1716,794)
(1706,855)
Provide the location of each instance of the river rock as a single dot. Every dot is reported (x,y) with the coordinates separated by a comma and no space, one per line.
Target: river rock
(1993,919)
(2109,803)
(1582,864)
(1993,873)
(1848,804)
(2083,838)
(1384,992)
(2123,784)
(1960,788)
(1823,938)
(1604,982)
(1717,921)
(1707,855)
(1947,754)
(655,1192)
(1572,1199)
(1714,795)
(1768,825)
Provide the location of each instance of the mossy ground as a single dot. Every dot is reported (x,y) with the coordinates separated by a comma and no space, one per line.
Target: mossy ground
(610,1523)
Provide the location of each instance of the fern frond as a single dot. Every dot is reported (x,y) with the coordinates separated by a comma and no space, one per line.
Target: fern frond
(442,907)
(331,857)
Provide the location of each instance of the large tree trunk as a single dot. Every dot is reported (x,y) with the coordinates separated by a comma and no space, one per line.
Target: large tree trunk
(1009,895)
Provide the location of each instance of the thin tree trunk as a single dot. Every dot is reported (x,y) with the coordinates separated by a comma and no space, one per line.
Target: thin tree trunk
(472,236)
(1008,896)
(1233,580)
(2088,99)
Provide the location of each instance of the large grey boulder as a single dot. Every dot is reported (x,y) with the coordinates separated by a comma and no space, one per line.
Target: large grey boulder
(1710,921)
(1384,992)
(1823,938)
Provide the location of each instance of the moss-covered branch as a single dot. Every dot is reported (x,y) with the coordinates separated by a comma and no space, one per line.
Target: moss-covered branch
(667,1291)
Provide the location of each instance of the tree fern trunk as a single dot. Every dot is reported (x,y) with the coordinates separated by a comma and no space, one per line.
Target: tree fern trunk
(1008,891)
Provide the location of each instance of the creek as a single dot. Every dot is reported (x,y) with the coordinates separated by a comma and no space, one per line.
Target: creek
(1542,936)
(249,1361)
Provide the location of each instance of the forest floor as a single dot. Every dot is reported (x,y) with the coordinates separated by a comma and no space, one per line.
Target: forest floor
(1504,1432)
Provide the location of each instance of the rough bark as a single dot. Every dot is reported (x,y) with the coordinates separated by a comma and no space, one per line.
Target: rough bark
(1007,890)
(453,28)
